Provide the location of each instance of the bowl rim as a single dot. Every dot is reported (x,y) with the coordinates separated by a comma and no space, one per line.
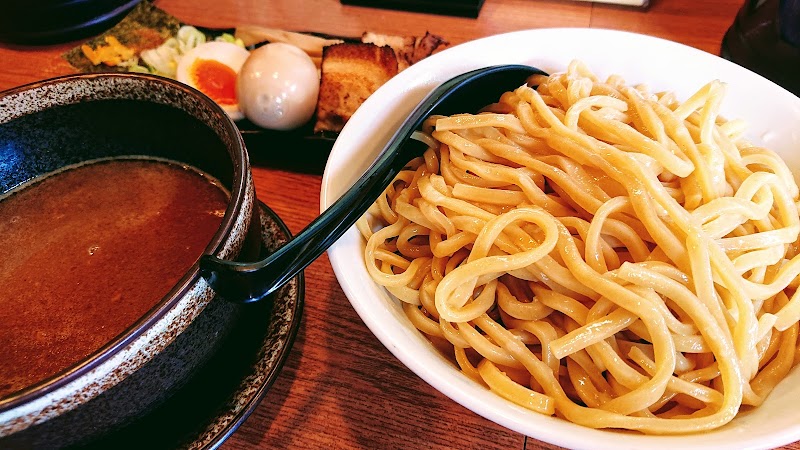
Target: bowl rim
(239,159)
(379,113)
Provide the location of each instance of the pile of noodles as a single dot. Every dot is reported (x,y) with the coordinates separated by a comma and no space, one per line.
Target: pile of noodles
(599,252)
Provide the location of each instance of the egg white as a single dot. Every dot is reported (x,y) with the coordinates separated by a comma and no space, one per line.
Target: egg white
(278,87)
(226,53)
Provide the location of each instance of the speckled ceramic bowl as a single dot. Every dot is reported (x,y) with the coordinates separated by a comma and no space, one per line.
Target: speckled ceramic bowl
(50,124)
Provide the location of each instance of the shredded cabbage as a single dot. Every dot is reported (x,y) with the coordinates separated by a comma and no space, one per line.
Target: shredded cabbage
(188,38)
(163,60)
(138,68)
(227,37)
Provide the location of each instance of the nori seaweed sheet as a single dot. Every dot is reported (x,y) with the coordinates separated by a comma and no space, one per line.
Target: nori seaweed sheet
(146,26)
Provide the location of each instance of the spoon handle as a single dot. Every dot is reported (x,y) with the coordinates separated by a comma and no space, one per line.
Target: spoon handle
(246,282)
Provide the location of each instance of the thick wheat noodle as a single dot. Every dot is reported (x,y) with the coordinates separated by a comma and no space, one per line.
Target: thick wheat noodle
(599,252)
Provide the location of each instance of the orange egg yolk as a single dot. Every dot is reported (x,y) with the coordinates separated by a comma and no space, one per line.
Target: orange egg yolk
(216,80)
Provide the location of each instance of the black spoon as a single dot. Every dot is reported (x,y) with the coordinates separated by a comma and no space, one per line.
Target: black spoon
(469,92)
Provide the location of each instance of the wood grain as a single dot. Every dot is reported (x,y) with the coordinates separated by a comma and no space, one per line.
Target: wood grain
(341,388)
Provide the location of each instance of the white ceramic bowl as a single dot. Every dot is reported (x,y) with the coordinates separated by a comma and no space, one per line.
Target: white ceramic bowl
(773,115)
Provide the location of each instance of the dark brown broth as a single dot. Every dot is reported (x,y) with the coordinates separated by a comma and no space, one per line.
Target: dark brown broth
(87,252)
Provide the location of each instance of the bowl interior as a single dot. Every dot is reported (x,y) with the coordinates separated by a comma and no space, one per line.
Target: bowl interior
(773,116)
(69,120)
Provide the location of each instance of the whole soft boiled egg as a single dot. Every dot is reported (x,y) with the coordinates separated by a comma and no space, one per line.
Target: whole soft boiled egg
(212,68)
(278,86)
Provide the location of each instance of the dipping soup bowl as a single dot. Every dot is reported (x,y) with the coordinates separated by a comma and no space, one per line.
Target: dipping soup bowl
(63,121)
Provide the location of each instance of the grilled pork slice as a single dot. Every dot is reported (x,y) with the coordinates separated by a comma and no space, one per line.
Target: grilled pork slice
(426,45)
(350,73)
(409,49)
(403,46)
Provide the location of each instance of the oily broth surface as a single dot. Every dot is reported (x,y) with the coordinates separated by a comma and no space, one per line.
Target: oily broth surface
(88,251)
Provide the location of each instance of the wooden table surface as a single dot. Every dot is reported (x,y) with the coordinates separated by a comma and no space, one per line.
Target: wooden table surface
(340,387)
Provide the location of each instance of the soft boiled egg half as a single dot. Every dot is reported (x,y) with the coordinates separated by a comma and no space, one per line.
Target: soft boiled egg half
(213,68)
